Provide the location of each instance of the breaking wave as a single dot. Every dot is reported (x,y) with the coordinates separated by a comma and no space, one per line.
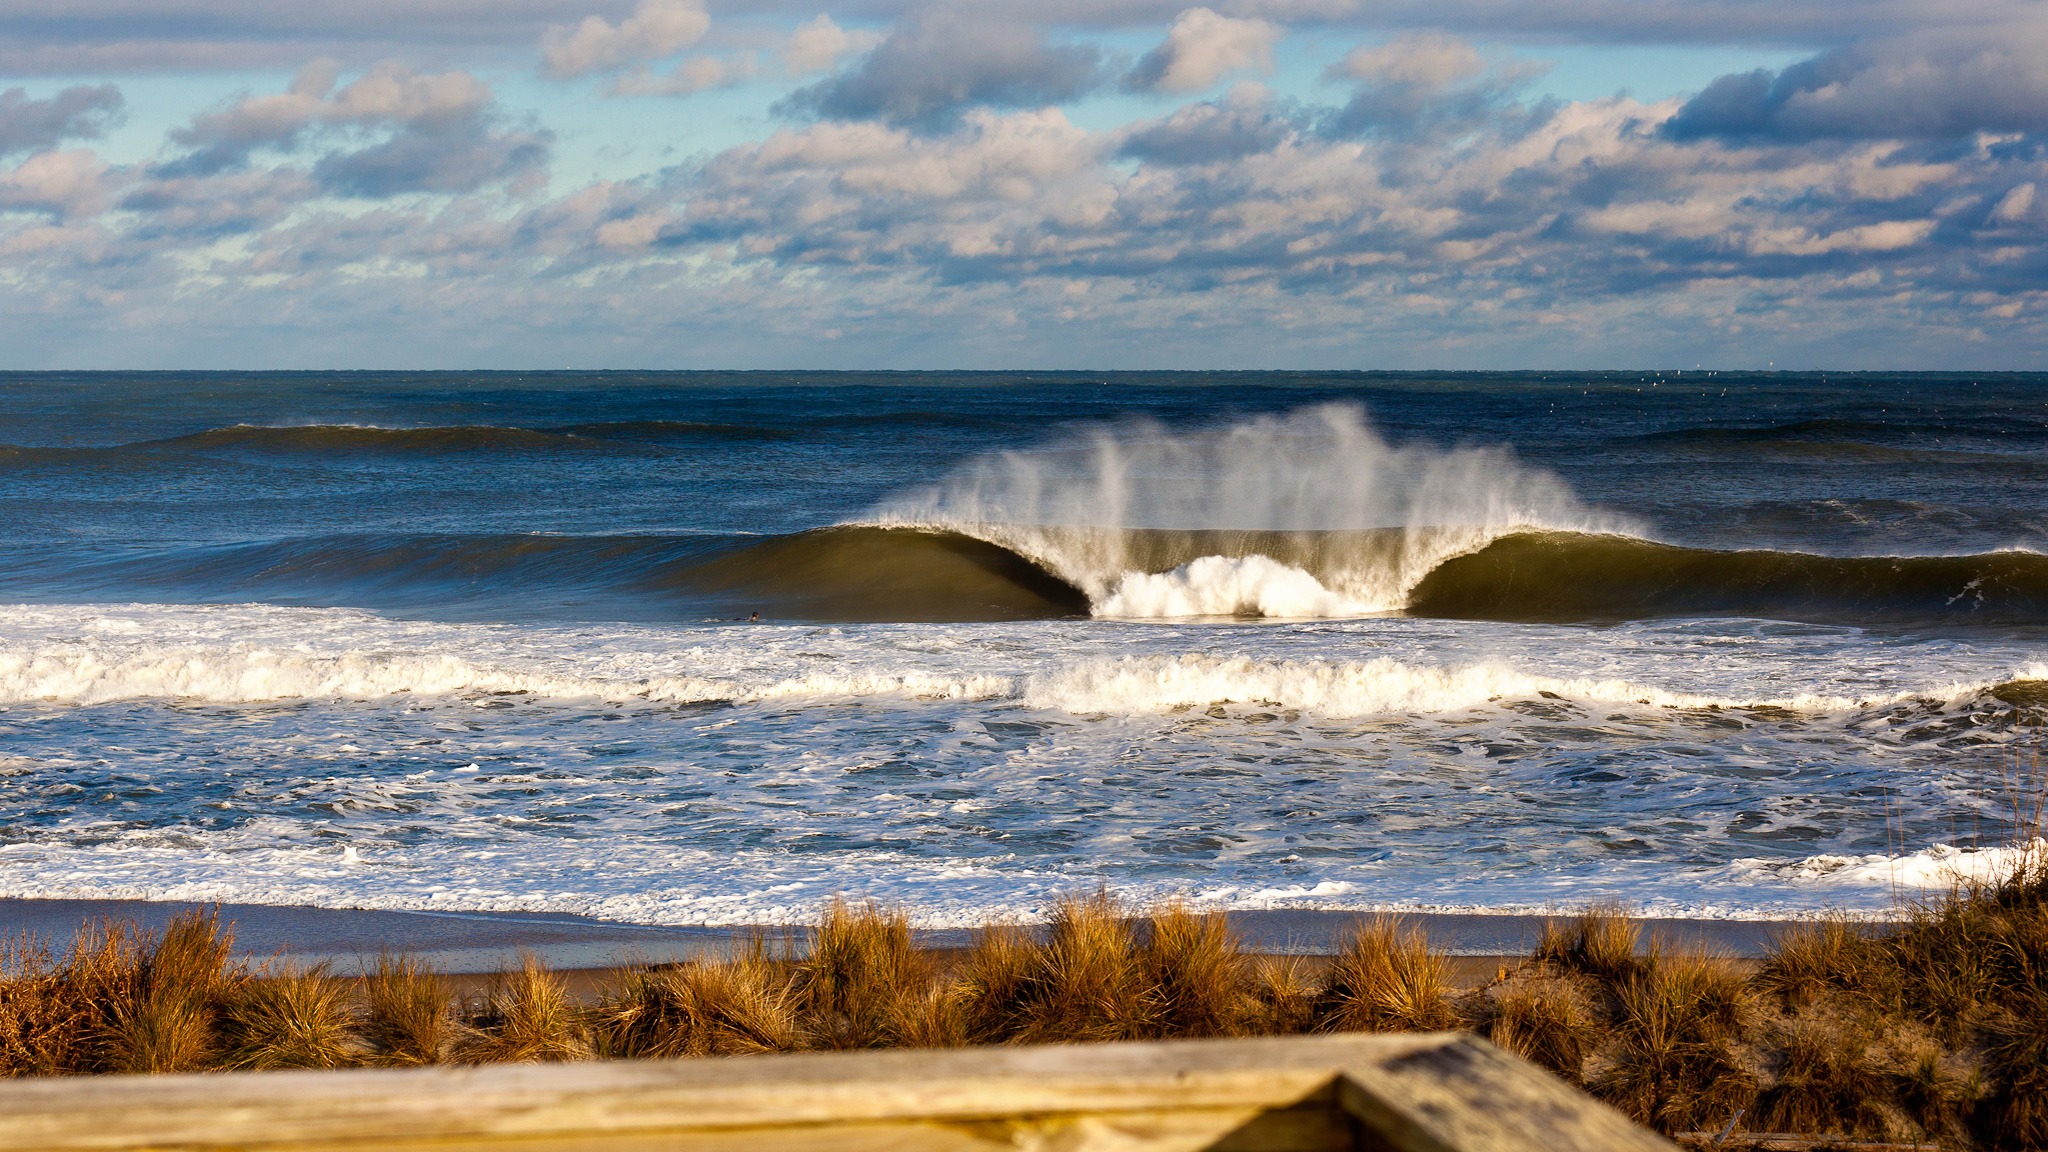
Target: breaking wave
(95,673)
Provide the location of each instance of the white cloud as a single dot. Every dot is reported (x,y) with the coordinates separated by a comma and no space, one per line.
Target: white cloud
(2014,205)
(818,44)
(655,30)
(60,183)
(1201,49)
(1426,60)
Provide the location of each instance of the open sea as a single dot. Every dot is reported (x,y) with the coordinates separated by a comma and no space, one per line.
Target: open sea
(1710,644)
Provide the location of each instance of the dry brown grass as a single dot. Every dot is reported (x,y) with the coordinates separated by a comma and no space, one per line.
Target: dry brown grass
(707,1008)
(1086,982)
(1600,942)
(1195,969)
(1386,979)
(1811,958)
(862,976)
(166,1020)
(292,1020)
(1545,1023)
(528,1020)
(1674,1068)
(1283,996)
(991,985)
(408,1016)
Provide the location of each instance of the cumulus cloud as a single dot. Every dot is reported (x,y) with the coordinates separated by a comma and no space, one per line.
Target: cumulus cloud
(441,132)
(657,29)
(927,72)
(59,183)
(1242,123)
(1202,48)
(818,44)
(1946,84)
(82,112)
(1427,84)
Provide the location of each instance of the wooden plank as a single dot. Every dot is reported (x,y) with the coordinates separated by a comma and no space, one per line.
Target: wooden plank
(1469,1096)
(1286,1094)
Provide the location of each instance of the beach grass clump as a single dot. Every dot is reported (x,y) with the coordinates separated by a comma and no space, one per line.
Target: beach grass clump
(1546,1023)
(1086,981)
(1283,996)
(1828,952)
(408,1013)
(1600,942)
(862,976)
(1387,979)
(1673,1066)
(1827,1082)
(1194,969)
(166,1018)
(734,1007)
(298,1019)
(990,987)
(527,1019)
(52,1015)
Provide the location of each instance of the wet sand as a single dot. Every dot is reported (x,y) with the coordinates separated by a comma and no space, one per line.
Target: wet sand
(485,942)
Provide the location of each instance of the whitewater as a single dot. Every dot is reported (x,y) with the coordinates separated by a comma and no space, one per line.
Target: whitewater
(490,645)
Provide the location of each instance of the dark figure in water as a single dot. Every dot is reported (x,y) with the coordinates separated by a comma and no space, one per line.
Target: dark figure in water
(754,619)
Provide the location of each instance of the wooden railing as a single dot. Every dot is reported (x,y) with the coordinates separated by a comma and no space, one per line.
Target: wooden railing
(1423,1092)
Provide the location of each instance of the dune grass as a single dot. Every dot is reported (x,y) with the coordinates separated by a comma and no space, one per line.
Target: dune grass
(1931,1028)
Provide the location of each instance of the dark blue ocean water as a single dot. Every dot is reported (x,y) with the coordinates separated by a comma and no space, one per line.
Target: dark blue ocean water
(1723,643)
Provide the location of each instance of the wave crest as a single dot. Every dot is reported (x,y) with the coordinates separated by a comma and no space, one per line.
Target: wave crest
(1318,490)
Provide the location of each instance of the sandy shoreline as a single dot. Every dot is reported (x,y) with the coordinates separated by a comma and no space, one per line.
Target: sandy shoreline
(478,942)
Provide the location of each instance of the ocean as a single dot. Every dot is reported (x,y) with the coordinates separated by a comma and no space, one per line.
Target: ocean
(710,648)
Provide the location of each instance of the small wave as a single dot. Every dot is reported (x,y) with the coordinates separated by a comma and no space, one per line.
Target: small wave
(1536,576)
(1938,868)
(94,673)
(81,675)
(366,438)
(1354,688)
(657,431)
(1836,429)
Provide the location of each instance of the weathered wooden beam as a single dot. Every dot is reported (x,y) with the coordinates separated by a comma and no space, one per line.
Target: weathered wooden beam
(1432,1092)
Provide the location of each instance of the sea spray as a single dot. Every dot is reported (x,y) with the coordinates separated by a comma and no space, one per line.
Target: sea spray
(1344,522)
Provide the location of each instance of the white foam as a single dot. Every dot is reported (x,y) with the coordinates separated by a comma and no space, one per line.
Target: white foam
(117,666)
(1226,586)
(79,675)
(1940,867)
(1133,685)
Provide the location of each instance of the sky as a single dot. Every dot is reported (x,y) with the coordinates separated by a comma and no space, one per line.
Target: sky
(1494,184)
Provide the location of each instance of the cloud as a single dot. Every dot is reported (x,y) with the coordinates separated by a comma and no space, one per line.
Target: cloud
(815,46)
(1947,84)
(656,29)
(77,113)
(696,74)
(59,183)
(937,209)
(926,73)
(818,44)
(1427,84)
(441,132)
(1243,123)
(1202,48)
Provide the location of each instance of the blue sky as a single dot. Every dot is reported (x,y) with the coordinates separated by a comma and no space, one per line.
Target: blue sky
(1290,183)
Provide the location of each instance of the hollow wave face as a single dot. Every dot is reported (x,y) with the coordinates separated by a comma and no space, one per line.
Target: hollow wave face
(1308,514)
